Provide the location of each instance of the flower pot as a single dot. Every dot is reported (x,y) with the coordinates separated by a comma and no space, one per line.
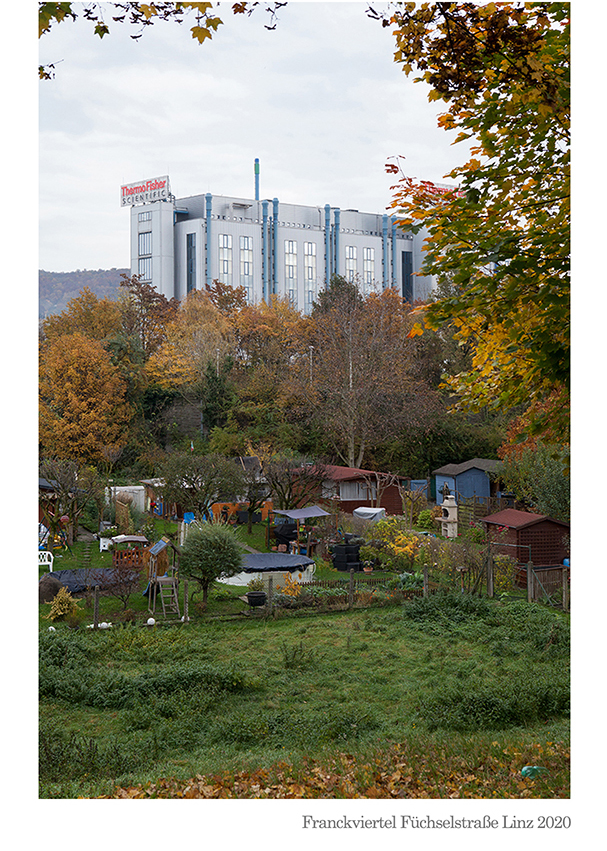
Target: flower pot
(256,598)
(368,569)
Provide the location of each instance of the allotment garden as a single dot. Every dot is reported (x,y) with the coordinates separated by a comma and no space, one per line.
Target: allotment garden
(407,681)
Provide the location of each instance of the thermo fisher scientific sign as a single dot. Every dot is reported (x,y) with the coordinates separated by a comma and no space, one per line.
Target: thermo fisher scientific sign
(145,191)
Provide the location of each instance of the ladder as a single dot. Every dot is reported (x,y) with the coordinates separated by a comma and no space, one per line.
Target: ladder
(167,590)
(165,587)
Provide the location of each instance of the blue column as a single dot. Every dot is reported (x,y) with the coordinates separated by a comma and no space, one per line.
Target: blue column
(337,215)
(385,250)
(264,250)
(275,244)
(209,208)
(328,260)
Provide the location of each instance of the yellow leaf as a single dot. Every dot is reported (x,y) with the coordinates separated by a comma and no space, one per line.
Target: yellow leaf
(416,331)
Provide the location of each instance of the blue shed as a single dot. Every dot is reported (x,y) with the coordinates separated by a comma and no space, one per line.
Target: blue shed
(466,480)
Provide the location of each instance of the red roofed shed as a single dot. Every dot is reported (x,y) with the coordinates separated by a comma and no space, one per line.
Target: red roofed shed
(532,537)
(351,487)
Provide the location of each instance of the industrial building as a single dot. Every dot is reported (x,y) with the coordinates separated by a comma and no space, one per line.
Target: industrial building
(266,246)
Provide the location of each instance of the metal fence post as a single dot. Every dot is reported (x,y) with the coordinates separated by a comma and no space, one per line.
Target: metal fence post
(185,601)
(565,581)
(351,589)
(96,608)
(530,588)
(270,592)
(489,575)
(425,580)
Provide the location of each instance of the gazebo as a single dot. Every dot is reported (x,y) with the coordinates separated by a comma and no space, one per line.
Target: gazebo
(296,515)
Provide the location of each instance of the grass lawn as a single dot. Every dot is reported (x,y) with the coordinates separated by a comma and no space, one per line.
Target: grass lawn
(445,697)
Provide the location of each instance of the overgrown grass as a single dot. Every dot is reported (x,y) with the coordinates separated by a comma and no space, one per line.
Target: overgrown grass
(131,705)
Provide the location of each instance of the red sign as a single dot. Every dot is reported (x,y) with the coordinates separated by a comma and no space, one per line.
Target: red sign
(145,191)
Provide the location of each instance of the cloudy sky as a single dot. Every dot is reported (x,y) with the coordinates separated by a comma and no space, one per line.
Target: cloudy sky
(319,100)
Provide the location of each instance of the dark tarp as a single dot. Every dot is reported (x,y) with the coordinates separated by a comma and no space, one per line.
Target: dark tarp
(79,580)
(263,562)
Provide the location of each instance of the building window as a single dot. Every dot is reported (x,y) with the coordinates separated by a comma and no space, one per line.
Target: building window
(190,262)
(225,258)
(145,269)
(350,262)
(368,268)
(309,276)
(407,266)
(291,270)
(246,265)
(362,491)
(145,244)
(145,217)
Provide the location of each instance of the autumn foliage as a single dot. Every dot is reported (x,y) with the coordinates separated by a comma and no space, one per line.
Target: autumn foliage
(500,236)
(83,404)
(398,771)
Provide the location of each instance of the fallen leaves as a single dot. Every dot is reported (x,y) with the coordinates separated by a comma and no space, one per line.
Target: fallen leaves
(394,772)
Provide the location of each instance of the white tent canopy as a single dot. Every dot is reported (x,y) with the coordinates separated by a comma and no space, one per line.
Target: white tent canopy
(304,513)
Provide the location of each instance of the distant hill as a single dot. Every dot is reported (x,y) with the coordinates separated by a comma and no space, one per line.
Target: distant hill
(57,288)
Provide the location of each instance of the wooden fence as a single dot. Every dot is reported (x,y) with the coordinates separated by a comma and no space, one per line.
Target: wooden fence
(471,510)
(132,557)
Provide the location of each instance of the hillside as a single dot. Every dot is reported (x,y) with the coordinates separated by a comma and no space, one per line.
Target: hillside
(57,288)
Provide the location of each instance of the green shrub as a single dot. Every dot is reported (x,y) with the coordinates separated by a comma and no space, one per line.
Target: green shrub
(425,519)
(449,608)
(481,706)
(63,606)
(109,690)
(64,757)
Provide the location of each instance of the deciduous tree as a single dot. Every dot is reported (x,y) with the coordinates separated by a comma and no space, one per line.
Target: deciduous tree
(354,373)
(539,477)
(97,318)
(195,482)
(74,487)
(146,313)
(83,405)
(293,480)
(210,551)
(502,236)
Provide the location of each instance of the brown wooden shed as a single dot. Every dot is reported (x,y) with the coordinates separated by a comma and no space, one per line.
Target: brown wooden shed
(348,488)
(530,537)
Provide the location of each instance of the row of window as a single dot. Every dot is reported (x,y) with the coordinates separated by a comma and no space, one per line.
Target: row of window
(245,260)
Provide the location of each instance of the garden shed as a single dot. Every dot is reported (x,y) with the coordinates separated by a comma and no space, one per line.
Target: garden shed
(529,537)
(469,479)
(351,487)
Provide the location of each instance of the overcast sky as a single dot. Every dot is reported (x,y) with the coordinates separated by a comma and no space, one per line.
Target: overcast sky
(319,100)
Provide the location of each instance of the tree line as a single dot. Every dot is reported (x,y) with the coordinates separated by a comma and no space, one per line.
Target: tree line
(346,384)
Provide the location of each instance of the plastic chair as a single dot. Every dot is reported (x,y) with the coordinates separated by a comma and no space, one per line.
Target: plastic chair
(46,558)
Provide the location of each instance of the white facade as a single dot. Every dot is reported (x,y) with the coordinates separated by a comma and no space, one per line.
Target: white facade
(179,245)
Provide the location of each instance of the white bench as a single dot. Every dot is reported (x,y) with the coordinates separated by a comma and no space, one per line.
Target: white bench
(46,558)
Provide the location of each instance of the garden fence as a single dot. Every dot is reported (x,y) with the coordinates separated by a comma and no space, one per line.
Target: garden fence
(472,509)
